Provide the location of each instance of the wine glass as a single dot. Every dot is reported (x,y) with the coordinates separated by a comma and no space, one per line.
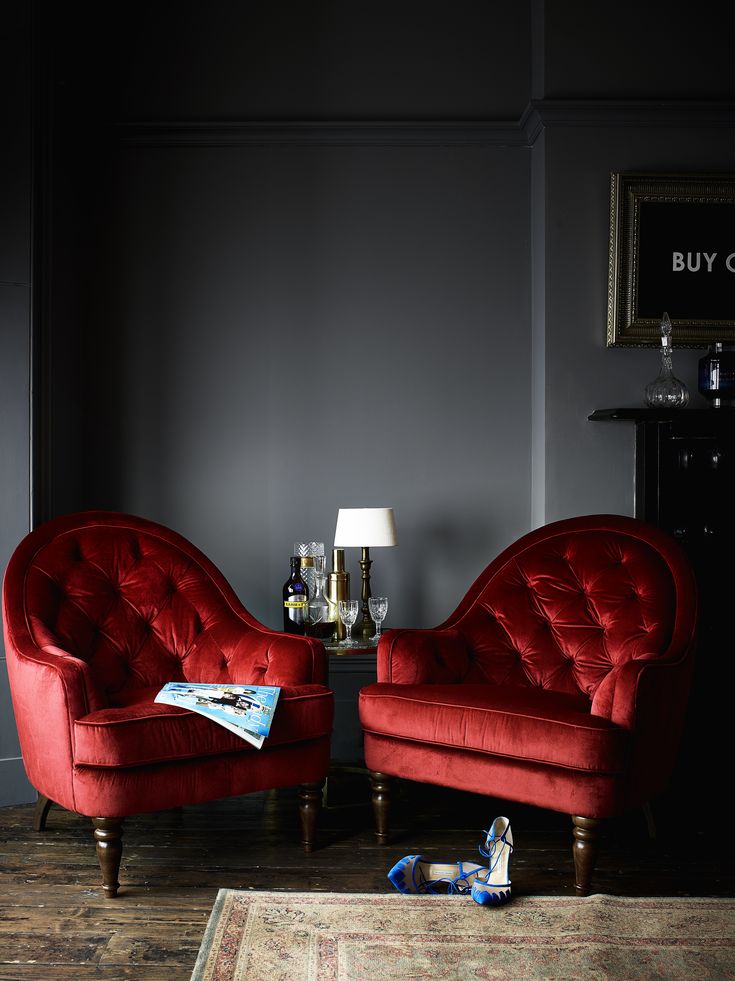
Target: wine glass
(378,610)
(348,610)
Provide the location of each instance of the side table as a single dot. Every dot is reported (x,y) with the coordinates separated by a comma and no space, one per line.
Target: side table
(350,669)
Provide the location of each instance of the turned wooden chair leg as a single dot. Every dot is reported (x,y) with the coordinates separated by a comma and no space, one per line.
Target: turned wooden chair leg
(381,790)
(310,803)
(108,836)
(584,850)
(43,806)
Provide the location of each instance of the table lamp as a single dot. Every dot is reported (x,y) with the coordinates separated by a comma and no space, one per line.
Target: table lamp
(365,528)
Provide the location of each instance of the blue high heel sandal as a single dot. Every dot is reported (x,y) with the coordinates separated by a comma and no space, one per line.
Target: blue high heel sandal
(492,887)
(417,874)
(487,885)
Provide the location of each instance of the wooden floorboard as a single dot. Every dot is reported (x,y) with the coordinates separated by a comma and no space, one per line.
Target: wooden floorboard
(56,922)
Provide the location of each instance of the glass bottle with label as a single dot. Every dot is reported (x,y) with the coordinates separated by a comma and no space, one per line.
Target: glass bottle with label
(295,600)
(717,375)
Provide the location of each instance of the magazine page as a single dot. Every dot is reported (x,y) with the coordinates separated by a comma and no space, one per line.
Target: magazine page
(246,710)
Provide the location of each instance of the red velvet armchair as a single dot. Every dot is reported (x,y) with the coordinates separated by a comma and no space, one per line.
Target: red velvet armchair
(99,611)
(560,681)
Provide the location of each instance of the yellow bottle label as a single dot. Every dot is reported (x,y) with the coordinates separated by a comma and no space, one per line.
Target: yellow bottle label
(295,604)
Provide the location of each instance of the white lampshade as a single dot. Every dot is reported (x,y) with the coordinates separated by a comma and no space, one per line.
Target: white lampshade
(365,528)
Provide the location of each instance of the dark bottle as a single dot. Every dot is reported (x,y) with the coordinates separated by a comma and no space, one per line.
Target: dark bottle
(295,600)
(717,375)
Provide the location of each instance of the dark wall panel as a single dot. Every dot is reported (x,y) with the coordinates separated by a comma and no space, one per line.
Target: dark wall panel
(15,335)
(295,59)
(273,333)
(633,50)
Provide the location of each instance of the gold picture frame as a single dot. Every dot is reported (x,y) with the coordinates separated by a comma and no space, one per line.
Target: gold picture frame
(672,248)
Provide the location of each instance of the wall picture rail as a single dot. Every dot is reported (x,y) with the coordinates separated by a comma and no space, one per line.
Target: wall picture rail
(672,248)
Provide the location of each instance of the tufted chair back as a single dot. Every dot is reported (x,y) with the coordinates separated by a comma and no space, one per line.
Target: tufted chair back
(137,603)
(568,603)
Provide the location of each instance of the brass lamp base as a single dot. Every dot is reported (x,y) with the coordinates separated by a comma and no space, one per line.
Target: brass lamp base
(366,628)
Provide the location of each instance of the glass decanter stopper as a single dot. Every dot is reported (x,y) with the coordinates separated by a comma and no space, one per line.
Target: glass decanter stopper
(666,391)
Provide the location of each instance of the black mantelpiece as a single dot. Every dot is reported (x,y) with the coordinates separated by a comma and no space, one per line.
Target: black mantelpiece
(685,484)
(684,475)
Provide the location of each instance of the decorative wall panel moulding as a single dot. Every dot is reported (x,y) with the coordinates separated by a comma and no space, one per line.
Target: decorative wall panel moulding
(600,112)
(490,133)
(228,134)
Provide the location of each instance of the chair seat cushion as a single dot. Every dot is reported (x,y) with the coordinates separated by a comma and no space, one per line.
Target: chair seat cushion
(141,731)
(520,722)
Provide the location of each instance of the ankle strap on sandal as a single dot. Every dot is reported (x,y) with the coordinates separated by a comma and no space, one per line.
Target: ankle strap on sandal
(491,848)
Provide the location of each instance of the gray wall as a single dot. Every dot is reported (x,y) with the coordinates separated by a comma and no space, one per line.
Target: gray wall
(15,313)
(297,330)
(308,329)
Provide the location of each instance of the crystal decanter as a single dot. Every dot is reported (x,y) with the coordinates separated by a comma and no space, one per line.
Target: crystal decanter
(320,624)
(666,391)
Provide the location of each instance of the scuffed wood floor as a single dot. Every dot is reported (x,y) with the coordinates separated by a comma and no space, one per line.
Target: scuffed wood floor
(56,924)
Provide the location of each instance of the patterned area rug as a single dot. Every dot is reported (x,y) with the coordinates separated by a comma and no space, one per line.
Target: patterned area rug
(325,936)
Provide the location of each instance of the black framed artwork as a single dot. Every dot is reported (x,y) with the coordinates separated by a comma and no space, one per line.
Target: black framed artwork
(672,248)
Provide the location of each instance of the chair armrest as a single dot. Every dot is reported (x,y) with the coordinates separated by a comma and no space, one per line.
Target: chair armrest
(267,657)
(50,690)
(639,688)
(43,673)
(615,698)
(417,657)
(648,696)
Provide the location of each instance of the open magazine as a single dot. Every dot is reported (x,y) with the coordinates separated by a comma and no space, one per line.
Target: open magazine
(246,710)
